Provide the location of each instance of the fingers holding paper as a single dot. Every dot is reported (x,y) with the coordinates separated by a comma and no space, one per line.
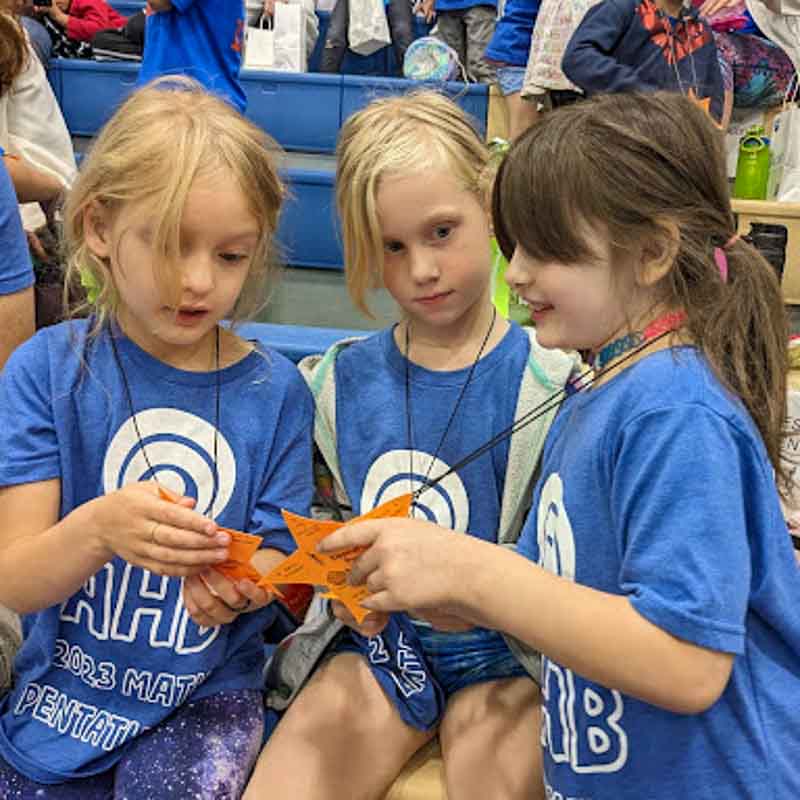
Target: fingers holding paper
(408,565)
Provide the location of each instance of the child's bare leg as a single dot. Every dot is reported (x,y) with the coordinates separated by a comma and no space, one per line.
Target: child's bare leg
(491,741)
(341,737)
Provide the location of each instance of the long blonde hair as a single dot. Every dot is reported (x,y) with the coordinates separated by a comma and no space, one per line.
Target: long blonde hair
(154,147)
(409,134)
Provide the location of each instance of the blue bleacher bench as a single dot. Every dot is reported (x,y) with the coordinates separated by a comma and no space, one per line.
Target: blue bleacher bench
(308,229)
(295,341)
(302,111)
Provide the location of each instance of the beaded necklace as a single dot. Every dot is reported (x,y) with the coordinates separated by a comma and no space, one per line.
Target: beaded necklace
(669,322)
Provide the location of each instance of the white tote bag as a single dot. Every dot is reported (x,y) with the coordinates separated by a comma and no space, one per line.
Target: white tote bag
(290,37)
(368,28)
(259,48)
(784,179)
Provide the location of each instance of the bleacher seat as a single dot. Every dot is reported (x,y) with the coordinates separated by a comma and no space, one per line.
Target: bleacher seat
(302,111)
(308,228)
(295,341)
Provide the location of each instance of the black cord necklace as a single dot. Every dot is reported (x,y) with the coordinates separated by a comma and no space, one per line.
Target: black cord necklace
(578,384)
(409,432)
(129,397)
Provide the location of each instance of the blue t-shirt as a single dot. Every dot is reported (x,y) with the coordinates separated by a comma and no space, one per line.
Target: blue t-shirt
(201,39)
(121,654)
(656,486)
(16,271)
(376,458)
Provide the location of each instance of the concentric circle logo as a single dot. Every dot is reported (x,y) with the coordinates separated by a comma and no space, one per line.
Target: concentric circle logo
(180,449)
(391,475)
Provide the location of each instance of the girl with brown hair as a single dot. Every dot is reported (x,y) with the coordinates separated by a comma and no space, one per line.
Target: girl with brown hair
(655,571)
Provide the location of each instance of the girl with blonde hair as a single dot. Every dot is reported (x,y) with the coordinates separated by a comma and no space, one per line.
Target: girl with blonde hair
(395,412)
(139,674)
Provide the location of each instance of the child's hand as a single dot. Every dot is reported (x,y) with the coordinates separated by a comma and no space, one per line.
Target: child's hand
(211,599)
(410,564)
(426,9)
(372,625)
(165,538)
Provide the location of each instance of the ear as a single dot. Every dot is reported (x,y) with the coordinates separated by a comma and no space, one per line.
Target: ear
(97,230)
(658,254)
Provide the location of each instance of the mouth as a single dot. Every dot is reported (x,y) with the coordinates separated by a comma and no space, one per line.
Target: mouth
(432,299)
(537,309)
(188,315)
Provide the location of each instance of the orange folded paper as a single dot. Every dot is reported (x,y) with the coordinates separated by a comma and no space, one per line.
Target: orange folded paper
(241,549)
(306,565)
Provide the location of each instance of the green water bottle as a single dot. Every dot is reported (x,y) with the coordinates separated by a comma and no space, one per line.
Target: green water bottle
(752,165)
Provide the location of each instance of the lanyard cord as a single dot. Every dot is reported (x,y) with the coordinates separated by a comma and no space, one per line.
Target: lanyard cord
(578,384)
(129,396)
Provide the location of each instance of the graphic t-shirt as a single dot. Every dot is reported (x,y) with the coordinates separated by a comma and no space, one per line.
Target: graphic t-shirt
(119,655)
(656,486)
(385,448)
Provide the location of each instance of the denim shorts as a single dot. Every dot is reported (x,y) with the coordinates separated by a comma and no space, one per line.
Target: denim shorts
(458,660)
(510,79)
(420,668)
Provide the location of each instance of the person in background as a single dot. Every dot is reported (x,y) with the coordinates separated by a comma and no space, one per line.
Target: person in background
(71,24)
(399,17)
(545,81)
(467,26)
(644,46)
(16,276)
(202,39)
(508,51)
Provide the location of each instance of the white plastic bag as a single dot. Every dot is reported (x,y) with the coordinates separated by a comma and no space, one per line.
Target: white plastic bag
(281,45)
(290,37)
(368,28)
(259,48)
(784,183)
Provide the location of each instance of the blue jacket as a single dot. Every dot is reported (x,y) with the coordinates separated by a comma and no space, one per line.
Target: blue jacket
(511,42)
(631,45)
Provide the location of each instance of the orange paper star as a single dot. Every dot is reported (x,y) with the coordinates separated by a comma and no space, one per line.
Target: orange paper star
(306,565)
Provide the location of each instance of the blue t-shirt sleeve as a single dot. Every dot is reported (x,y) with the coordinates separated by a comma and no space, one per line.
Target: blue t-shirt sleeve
(685,557)
(590,61)
(28,441)
(16,270)
(288,482)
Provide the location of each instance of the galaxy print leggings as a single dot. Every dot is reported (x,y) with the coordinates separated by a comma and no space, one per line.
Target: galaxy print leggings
(204,751)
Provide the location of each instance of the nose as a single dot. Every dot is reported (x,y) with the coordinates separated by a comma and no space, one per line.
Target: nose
(423,266)
(197,275)
(517,275)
